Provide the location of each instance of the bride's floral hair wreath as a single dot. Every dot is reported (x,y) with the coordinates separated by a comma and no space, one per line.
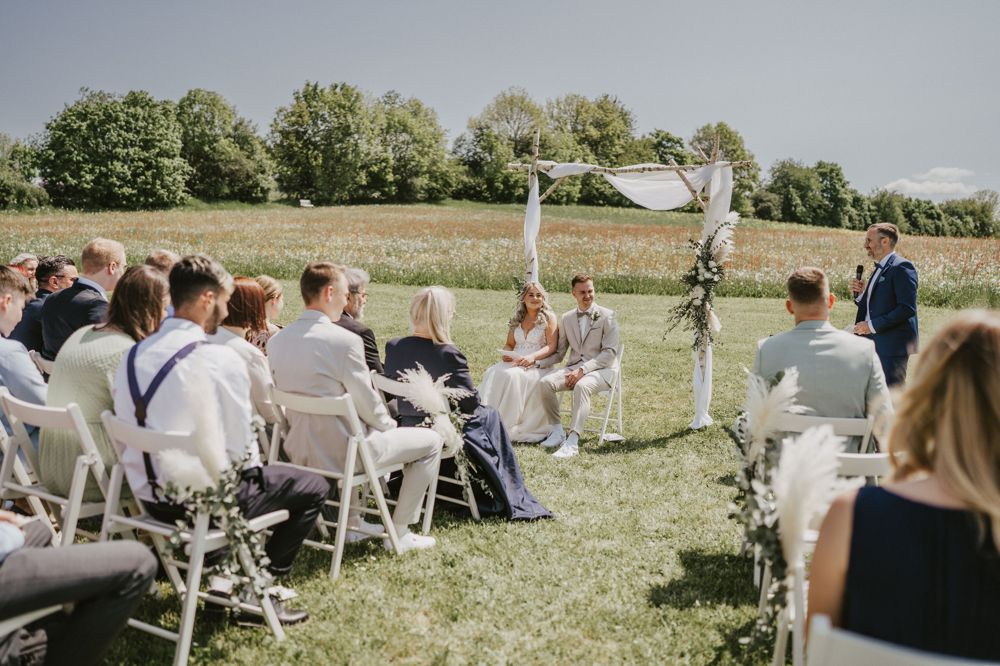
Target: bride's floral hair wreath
(521,310)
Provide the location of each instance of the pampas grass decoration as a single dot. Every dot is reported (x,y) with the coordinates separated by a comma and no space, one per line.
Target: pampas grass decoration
(185,471)
(764,407)
(433,398)
(804,485)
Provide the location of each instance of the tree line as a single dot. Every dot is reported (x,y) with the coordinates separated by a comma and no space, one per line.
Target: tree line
(338,145)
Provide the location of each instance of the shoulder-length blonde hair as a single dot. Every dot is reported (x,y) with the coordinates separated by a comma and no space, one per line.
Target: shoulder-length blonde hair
(432,309)
(948,422)
(521,310)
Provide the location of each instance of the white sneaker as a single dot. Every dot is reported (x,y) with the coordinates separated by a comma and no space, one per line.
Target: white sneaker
(555,437)
(570,447)
(412,541)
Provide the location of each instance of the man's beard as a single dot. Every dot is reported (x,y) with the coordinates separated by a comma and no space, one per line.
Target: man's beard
(213,322)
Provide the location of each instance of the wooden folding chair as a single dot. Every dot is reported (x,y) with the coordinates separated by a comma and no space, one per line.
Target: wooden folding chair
(44,365)
(343,408)
(404,390)
(614,400)
(829,646)
(19,474)
(199,540)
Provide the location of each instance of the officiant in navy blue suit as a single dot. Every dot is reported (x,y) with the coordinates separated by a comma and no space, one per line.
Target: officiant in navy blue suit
(887,304)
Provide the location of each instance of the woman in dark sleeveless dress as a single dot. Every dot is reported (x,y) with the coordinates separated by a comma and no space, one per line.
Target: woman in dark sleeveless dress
(917,561)
(486,441)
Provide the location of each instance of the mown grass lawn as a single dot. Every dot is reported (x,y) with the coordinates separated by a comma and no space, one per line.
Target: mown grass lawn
(641,564)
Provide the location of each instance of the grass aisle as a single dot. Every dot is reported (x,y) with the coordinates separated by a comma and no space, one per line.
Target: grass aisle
(640,565)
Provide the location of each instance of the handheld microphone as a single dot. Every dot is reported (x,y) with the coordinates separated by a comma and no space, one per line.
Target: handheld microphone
(859,271)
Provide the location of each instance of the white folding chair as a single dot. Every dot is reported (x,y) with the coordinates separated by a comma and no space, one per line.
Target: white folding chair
(16,476)
(343,408)
(829,646)
(44,365)
(869,465)
(614,400)
(199,539)
(403,390)
(12,624)
(793,618)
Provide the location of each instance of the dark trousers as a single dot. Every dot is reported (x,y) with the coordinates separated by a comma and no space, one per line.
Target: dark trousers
(894,368)
(273,488)
(104,581)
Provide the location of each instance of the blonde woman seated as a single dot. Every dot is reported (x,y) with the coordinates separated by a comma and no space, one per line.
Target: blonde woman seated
(509,384)
(916,562)
(274,303)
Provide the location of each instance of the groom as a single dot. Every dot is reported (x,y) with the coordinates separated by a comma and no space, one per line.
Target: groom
(591,333)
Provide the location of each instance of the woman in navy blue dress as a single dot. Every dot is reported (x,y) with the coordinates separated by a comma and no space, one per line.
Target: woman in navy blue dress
(917,562)
(486,441)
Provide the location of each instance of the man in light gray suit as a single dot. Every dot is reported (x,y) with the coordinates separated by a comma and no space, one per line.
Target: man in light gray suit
(590,333)
(313,356)
(839,374)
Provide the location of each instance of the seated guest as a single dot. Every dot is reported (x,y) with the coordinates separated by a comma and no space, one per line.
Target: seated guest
(205,390)
(354,311)
(86,302)
(87,360)
(162,260)
(511,384)
(17,371)
(26,264)
(917,561)
(274,303)
(839,373)
(486,441)
(100,583)
(53,274)
(313,356)
(246,313)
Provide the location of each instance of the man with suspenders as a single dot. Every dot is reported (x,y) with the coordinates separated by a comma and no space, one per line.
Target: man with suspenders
(175,381)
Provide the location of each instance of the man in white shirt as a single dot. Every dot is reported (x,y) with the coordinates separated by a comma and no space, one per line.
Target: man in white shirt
(313,356)
(205,389)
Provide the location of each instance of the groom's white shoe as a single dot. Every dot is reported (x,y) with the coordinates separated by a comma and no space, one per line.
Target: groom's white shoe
(555,437)
(570,447)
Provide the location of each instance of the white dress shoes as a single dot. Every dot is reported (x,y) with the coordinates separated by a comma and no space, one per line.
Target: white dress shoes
(555,437)
(569,448)
(412,541)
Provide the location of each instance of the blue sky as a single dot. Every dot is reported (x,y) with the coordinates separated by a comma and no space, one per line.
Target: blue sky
(900,93)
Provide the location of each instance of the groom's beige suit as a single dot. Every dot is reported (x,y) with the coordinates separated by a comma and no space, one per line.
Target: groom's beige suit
(593,343)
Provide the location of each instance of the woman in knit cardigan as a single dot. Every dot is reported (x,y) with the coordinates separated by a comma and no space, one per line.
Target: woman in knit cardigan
(83,369)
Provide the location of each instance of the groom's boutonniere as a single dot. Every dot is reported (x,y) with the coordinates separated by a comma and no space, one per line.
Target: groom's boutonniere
(595,315)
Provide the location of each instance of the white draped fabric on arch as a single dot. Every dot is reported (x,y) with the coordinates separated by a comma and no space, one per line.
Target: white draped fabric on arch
(656,187)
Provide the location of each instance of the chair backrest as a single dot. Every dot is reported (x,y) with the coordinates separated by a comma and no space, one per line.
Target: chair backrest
(864,464)
(43,364)
(126,435)
(392,386)
(841,426)
(829,646)
(21,414)
(341,406)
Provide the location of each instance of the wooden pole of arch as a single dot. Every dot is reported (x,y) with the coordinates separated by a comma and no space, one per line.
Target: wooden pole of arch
(541,166)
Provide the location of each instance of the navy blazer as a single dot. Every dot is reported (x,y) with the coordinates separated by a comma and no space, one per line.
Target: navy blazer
(893,308)
(406,353)
(372,359)
(68,310)
(29,330)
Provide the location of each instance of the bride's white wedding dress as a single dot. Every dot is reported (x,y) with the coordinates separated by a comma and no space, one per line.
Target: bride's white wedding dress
(509,389)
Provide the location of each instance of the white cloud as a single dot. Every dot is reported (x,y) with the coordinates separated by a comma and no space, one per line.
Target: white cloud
(946,174)
(937,183)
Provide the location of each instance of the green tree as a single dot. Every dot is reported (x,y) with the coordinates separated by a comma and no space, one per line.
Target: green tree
(513,116)
(976,215)
(421,170)
(227,158)
(745,179)
(109,151)
(886,206)
(326,146)
(836,195)
(766,204)
(484,156)
(666,146)
(798,189)
(16,171)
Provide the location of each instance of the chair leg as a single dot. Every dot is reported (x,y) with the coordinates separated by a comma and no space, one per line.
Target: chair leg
(781,640)
(72,510)
(765,585)
(346,494)
(431,496)
(467,488)
(621,429)
(189,604)
(266,606)
(383,507)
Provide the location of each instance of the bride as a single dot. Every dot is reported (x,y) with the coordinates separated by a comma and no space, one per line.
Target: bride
(509,384)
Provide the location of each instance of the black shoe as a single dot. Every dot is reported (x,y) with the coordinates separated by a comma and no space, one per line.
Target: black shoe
(285,615)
